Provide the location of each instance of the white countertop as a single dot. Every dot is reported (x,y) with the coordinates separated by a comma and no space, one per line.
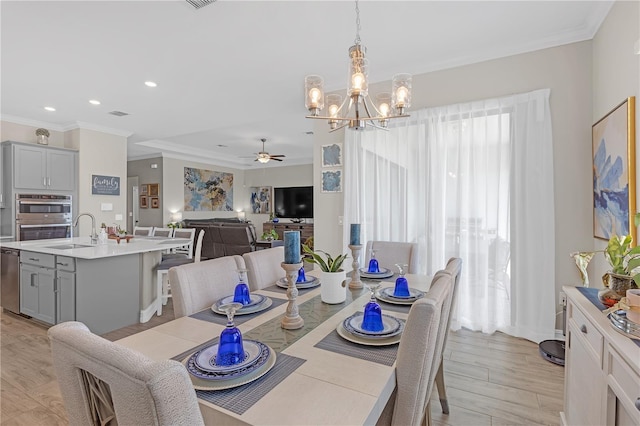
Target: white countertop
(112,248)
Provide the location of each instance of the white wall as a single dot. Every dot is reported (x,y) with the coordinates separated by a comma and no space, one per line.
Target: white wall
(566,70)
(100,154)
(616,76)
(24,133)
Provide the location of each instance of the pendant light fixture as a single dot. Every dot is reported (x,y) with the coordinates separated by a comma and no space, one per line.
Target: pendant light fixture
(357,110)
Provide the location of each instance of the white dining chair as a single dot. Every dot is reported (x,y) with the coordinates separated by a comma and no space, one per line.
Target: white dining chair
(185,250)
(454,269)
(163,283)
(197,286)
(418,357)
(162,232)
(143,231)
(390,253)
(102,382)
(264,267)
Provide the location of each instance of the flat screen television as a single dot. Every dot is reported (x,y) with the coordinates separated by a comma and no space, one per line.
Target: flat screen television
(294,202)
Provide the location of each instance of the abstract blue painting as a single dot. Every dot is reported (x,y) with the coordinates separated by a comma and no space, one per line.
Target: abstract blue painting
(205,190)
(613,175)
(332,155)
(332,181)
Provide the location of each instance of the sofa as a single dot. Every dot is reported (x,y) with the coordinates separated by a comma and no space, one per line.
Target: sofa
(224,236)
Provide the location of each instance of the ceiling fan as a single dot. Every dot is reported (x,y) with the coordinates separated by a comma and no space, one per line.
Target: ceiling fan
(264,156)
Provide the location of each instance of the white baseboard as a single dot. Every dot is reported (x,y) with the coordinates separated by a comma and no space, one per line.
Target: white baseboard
(147,314)
(559,335)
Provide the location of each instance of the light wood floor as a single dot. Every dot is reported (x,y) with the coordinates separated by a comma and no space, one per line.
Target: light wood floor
(491,380)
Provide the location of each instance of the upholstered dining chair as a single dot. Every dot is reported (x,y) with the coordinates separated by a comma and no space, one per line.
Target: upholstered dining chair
(388,253)
(199,285)
(418,357)
(163,287)
(454,269)
(102,382)
(264,267)
(143,231)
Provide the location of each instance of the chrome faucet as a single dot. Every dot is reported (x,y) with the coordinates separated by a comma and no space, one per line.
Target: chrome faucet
(94,233)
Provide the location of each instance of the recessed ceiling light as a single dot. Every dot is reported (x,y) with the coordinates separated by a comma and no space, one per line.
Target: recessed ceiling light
(150,83)
(94,102)
(48,108)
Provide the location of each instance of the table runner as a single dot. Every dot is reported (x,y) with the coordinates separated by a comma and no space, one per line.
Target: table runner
(276,289)
(209,315)
(241,398)
(385,355)
(592,296)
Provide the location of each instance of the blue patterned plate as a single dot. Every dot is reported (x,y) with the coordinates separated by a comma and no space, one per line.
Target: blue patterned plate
(392,326)
(309,283)
(205,359)
(246,310)
(261,357)
(384,273)
(413,294)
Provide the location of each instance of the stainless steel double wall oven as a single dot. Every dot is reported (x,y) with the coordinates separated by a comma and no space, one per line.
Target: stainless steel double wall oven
(43,216)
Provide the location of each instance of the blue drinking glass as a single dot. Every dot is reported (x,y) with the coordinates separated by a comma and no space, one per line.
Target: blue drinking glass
(373,264)
(402,285)
(230,348)
(301,277)
(372,319)
(241,292)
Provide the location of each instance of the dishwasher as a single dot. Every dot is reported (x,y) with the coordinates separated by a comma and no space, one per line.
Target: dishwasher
(10,279)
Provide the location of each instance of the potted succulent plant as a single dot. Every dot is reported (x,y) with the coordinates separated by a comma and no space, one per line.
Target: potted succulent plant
(270,235)
(624,260)
(333,286)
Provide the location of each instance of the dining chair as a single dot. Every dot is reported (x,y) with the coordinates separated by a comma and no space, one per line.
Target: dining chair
(454,269)
(197,286)
(162,232)
(418,357)
(185,251)
(388,253)
(102,382)
(163,287)
(264,267)
(143,231)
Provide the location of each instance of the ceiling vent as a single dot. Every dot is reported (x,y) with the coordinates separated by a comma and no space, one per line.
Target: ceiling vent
(119,113)
(200,3)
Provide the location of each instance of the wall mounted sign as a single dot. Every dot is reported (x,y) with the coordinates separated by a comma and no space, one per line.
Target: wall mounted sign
(105,185)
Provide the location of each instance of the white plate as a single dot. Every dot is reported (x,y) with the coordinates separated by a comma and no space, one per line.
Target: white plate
(381,296)
(247,310)
(206,358)
(413,294)
(254,299)
(366,342)
(392,326)
(384,273)
(310,283)
(262,359)
(201,384)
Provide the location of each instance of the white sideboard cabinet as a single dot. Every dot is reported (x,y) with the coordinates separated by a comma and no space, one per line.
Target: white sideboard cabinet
(602,368)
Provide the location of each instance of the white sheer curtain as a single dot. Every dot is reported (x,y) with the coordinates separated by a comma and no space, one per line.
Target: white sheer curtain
(474,181)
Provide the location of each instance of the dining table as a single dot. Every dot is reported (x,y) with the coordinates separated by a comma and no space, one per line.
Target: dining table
(318,376)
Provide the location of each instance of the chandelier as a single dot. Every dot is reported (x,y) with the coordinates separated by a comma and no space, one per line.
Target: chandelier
(360,112)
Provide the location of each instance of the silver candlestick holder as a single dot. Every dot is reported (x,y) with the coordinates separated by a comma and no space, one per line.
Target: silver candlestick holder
(292,319)
(355,282)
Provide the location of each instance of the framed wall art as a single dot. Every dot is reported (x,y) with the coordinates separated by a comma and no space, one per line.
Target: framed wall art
(155,202)
(206,190)
(614,172)
(154,189)
(144,189)
(332,181)
(332,155)
(144,202)
(261,199)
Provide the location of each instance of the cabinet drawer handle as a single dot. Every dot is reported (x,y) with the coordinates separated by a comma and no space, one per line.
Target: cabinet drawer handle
(34,259)
(638,404)
(48,181)
(62,264)
(583,328)
(33,281)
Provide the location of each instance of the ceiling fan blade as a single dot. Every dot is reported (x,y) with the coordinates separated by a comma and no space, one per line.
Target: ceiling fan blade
(278,155)
(276,159)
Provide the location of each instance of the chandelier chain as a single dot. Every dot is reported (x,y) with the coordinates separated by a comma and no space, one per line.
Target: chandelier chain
(357,40)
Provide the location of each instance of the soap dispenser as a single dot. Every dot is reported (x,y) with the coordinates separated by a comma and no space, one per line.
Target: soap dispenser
(102,238)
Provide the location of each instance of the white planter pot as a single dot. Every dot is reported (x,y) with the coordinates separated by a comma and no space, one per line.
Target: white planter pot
(333,287)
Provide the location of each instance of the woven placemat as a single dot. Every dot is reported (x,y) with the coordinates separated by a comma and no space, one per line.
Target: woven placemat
(385,355)
(243,397)
(209,315)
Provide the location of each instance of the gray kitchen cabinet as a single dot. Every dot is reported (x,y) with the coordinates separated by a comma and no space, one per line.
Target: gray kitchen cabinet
(37,167)
(47,287)
(3,192)
(37,297)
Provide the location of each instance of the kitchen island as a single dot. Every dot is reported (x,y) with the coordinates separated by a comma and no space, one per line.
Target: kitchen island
(106,286)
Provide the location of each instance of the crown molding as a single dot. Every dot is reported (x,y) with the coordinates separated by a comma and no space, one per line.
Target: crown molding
(66,127)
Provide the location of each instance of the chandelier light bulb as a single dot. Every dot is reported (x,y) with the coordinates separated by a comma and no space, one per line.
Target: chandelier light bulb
(401,95)
(333,111)
(315,96)
(384,109)
(357,81)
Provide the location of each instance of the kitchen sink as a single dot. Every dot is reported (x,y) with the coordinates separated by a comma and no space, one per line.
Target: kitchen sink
(68,246)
